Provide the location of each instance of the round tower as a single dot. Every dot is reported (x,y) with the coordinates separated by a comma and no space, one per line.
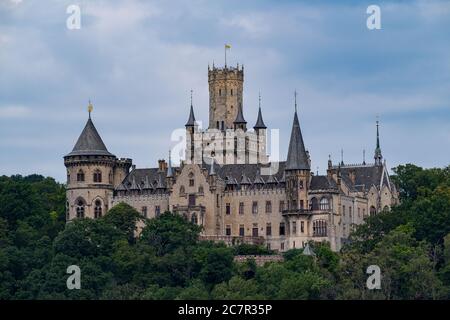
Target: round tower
(90,175)
(225,96)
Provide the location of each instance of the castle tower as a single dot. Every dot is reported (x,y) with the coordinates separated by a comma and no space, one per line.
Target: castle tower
(225,96)
(298,169)
(91,169)
(260,130)
(191,131)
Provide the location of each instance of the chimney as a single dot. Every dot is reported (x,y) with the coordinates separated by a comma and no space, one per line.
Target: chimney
(162,165)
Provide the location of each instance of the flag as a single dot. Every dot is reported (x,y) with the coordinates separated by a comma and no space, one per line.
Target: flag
(227,46)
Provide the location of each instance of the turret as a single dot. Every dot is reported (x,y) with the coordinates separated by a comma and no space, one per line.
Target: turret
(260,130)
(378,157)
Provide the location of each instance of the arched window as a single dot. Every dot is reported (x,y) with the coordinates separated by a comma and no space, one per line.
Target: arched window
(324,204)
(314,204)
(68,176)
(110,177)
(194,218)
(80,208)
(373,210)
(386,208)
(200,189)
(98,209)
(80,176)
(67,211)
(97,176)
(182,191)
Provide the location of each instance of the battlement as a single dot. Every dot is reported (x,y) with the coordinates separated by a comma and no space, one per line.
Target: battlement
(226,73)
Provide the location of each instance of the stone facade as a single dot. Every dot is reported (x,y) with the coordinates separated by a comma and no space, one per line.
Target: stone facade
(226,183)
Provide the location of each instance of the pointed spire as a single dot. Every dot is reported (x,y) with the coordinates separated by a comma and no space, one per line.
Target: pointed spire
(240,116)
(342,157)
(364,156)
(169,168)
(89,142)
(297,158)
(259,122)
(191,121)
(378,157)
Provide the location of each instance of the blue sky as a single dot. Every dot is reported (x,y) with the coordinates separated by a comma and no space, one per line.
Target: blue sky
(138,60)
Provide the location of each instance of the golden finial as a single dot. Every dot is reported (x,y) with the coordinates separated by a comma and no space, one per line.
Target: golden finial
(90,108)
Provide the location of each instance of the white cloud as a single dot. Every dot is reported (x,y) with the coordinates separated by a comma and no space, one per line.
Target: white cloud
(10,112)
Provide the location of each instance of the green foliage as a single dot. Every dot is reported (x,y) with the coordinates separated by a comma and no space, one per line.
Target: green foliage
(410,243)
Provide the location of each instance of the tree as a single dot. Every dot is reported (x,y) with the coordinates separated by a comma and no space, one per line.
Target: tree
(125,218)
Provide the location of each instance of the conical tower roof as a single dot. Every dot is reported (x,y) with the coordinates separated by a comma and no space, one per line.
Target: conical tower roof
(297,158)
(240,116)
(89,142)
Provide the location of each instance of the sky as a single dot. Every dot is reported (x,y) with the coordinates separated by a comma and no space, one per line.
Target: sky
(138,60)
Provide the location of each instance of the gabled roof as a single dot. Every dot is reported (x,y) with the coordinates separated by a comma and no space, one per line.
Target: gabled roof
(297,159)
(89,142)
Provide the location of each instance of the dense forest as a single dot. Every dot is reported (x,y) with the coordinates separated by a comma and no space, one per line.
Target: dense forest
(410,244)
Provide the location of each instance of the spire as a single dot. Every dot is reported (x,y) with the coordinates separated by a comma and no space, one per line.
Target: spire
(240,116)
(342,157)
(169,168)
(297,158)
(191,121)
(259,122)
(90,108)
(89,142)
(378,157)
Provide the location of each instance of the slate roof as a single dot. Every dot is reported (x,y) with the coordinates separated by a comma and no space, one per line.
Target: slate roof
(260,122)
(365,175)
(191,120)
(297,158)
(89,142)
(148,178)
(240,116)
(322,183)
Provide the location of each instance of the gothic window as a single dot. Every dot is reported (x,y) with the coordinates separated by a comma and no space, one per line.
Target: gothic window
(144,211)
(157,211)
(200,189)
(68,176)
(255,230)
(110,177)
(97,176)
(373,210)
(220,92)
(386,208)
(231,91)
(268,207)
(302,226)
(241,230)
(192,199)
(320,228)
(302,204)
(228,230)
(294,228)
(255,207)
(182,191)
(80,208)
(282,229)
(301,184)
(241,208)
(98,209)
(324,204)
(281,206)
(314,204)
(194,218)
(227,208)
(80,176)
(268,229)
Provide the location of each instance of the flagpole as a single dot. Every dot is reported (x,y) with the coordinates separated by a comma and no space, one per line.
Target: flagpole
(225,47)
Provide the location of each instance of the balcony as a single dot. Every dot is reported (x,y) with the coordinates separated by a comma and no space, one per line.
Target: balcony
(233,240)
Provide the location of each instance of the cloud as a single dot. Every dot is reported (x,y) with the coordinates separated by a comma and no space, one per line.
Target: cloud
(10,112)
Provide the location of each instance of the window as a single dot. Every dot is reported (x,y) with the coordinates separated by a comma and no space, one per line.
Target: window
(217,200)
(319,228)
(268,207)
(231,91)
(294,228)
(255,230)
(268,229)
(228,230)
(314,204)
(182,191)
(343,210)
(191,182)
(220,92)
(386,208)
(373,210)
(350,212)
(324,204)
(302,204)
(227,209)
(282,246)
(144,211)
(192,199)
(97,176)
(80,176)
(68,176)
(110,177)
(294,204)
(302,226)
(241,208)
(200,189)
(255,207)
(359,212)
(241,230)
(194,218)
(157,211)
(300,184)
(281,206)
(98,209)
(80,209)
(282,229)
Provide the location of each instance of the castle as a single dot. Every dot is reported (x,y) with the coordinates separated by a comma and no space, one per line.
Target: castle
(227,184)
